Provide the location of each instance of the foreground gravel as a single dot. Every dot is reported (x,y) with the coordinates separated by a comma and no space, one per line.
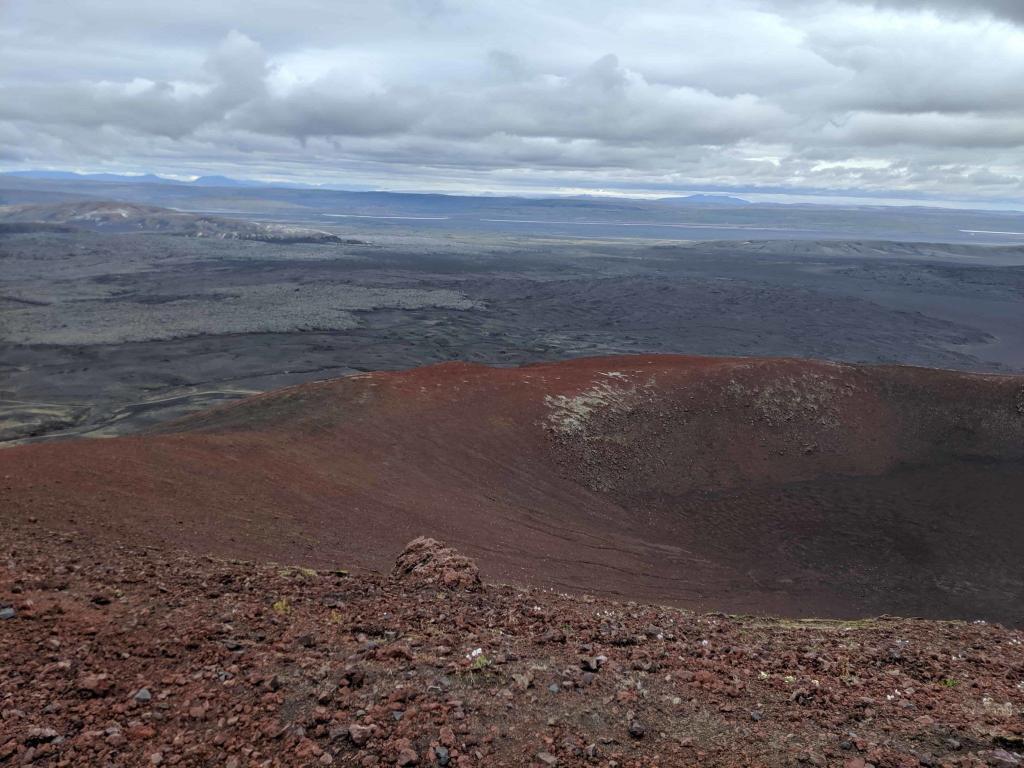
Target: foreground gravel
(142,657)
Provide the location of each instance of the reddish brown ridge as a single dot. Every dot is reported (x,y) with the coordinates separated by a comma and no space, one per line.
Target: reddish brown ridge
(758,485)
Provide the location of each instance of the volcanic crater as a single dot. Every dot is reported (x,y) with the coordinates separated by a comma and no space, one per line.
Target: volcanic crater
(751,485)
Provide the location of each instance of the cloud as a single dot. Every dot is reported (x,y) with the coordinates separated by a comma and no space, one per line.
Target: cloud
(1007,9)
(235,74)
(1010,10)
(915,96)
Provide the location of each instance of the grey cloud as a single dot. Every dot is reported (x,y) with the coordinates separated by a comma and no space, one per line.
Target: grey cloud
(844,94)
(1011,10)
(1007,9)
(237,68)
(875,129)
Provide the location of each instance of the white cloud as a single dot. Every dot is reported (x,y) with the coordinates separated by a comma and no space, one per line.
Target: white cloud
(924,96)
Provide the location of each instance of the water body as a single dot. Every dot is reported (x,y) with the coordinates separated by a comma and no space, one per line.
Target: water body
(367,216)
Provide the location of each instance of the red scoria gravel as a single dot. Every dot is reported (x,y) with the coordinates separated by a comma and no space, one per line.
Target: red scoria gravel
(121,656)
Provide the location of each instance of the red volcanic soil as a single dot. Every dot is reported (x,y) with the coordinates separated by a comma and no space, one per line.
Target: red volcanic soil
(114,655)
(748,485)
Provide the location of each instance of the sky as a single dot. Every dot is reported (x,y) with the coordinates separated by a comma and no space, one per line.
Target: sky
(896,99)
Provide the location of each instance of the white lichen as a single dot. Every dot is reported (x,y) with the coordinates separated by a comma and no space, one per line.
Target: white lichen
(570,414)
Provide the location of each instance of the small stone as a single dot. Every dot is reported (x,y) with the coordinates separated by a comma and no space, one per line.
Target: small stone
(360,734)
(1002,759)
(547,758)
(407,756)
(326,759)
(553,636)
(7,613)
(95,684)
(141,732)
(441,756)
(636,729)
(143,695)
(37,736)
(522,681)
(306,748)
(756,716)
(554,688)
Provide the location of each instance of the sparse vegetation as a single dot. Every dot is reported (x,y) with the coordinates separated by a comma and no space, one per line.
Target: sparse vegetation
(282,606)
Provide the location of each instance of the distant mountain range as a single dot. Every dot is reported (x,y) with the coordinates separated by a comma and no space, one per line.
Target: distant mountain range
(705,200)
(700,216)
(228,182)
(151,178)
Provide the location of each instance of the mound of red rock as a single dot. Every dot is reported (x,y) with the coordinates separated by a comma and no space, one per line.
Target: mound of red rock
(426,561)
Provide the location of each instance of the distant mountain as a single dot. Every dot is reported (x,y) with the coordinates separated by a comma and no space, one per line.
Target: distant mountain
(724,200)
(151,178)
(241,183)
(146,178)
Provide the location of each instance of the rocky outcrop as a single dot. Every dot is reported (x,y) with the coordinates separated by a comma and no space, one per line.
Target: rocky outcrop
(103,216)
(427,561)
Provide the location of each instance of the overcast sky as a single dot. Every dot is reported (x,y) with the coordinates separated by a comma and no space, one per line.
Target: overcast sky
(917,97)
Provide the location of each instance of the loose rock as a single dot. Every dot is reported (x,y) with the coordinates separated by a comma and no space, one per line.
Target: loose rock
(428,561)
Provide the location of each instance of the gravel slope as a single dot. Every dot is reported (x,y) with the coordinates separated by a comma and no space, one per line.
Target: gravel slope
(128,656)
